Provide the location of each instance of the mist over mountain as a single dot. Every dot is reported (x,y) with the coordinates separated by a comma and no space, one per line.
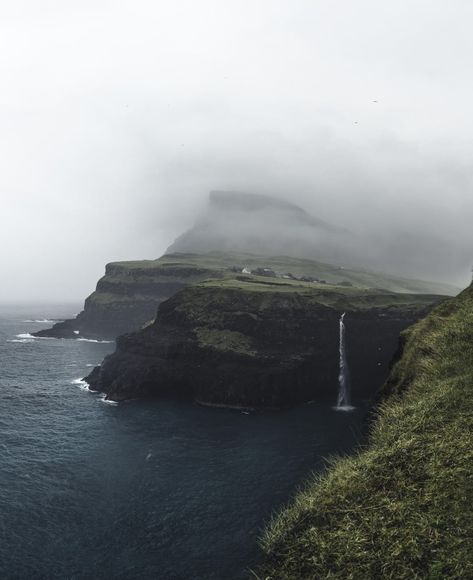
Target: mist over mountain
(263,224)
(317,103)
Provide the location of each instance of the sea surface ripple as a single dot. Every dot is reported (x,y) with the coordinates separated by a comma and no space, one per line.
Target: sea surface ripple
(144,490)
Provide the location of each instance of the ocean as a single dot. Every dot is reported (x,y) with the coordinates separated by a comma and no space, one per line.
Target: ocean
(140,489)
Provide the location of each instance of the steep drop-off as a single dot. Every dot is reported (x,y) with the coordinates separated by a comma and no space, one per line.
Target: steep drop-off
(128,296)
(402,507)
(254,342)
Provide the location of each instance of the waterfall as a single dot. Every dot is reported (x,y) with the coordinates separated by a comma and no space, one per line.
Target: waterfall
(343,400)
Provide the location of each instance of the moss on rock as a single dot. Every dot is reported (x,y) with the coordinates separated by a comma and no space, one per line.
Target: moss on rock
(225,340)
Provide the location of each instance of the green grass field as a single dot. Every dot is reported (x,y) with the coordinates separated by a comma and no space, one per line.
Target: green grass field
(402,507)
(312,293)
(332,274)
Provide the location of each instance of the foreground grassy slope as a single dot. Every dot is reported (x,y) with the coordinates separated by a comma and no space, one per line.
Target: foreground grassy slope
(403,506)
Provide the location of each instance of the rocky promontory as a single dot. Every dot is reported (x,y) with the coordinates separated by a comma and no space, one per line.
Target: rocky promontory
(254,342)
(128,296)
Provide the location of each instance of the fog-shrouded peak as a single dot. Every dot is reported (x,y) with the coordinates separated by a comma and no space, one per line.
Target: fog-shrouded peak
(256,202)
(352,111)
(262,224)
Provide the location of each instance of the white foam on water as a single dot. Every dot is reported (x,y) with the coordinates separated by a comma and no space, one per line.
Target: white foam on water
(94,340)
(78,382)
(31,337)
(76,332)
(344,408)
(42,321)
(103,399)
(21,340)
(83,385)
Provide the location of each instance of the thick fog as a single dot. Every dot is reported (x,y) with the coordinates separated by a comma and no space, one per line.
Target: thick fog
(118,117)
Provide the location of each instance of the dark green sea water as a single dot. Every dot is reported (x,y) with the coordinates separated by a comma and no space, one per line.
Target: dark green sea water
(144,490)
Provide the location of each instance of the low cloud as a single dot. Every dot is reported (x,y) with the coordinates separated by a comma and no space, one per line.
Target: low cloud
(118,119)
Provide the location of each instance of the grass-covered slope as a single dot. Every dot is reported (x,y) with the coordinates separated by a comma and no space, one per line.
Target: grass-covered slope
(333,296)
(403,506)
(330,273)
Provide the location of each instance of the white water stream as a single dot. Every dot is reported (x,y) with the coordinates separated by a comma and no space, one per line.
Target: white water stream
(343,400)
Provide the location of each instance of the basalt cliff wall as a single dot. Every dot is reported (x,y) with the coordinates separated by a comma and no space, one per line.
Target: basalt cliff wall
(128,296)
(245,344)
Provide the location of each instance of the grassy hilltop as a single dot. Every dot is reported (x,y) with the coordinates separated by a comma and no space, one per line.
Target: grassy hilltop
(210,300)
(402,507)
(217,264)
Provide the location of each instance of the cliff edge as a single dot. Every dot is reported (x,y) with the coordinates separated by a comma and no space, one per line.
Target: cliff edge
(129,294)
(255,342)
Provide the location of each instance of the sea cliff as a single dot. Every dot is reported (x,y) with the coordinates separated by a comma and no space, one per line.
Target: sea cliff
(129,294)
(251,342)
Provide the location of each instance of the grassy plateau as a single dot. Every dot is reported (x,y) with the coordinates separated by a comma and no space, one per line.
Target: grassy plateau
(217,264)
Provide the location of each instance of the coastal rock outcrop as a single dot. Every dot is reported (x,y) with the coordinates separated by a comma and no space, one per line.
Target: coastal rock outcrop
(128,296)
(253,343)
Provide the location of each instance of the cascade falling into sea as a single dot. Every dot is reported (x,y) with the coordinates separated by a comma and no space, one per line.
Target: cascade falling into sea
(343,399)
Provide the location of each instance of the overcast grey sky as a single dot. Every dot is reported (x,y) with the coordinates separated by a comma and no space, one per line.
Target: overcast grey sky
(117,117)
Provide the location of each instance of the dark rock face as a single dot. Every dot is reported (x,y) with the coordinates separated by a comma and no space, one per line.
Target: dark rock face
(103,323)
(127,298)
(250,350)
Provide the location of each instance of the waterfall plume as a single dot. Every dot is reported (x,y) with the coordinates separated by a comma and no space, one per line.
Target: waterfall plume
(343,399)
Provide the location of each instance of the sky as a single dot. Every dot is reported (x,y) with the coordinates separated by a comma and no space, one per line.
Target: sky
(117,118)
